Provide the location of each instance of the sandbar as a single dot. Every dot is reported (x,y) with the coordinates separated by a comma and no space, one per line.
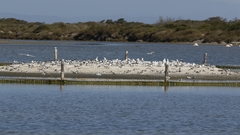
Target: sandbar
(118,69)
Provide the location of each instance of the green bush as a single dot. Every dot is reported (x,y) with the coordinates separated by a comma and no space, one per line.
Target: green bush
(41,28)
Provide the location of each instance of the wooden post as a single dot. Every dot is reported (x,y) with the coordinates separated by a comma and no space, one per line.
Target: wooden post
(166,72)
(205,59)
(126,55)
(62,69)
(55,53)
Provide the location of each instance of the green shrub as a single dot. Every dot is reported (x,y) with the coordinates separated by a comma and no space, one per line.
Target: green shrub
(41,28)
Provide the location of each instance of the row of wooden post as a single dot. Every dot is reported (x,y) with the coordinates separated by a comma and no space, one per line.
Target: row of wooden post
(166,78)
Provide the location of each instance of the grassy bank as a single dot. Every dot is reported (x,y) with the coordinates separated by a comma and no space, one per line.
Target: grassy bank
(228,67)
(4,64)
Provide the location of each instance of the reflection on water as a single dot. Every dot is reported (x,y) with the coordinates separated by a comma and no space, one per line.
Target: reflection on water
(165,88)
(61,87)
(216,54)
(99,109)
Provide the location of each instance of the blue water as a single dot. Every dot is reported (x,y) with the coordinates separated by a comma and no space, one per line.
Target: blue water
(44,51)
(93,109)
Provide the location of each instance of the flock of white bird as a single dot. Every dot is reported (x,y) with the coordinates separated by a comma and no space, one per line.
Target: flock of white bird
(116,66)
(105,66)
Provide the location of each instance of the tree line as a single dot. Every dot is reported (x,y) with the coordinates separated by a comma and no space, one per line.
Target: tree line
(213,29)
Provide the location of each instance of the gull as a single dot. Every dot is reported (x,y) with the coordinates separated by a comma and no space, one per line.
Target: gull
(164,61)
(96,59)
(98,74)
(15,62)
(167,61)
(229,45)
(196,44)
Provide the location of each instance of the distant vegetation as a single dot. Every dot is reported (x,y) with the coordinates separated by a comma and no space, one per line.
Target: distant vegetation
(214,29)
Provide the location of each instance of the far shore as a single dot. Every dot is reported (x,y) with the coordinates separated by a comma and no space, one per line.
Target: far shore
(34,42)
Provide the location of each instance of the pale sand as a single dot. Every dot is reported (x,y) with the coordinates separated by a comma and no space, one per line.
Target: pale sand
(118,69)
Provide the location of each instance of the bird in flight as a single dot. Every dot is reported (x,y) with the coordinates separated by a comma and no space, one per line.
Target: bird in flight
(28,55)
(150,53)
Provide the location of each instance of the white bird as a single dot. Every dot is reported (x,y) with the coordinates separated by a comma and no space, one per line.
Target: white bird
(196,44)
(167,61)
(164,61)
(150,53)
(96,59)
(29,55)
(98,74)
(15,61)
(228,45)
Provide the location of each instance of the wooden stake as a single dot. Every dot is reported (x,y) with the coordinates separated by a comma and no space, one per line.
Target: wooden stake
(55,53)
(126,55)
(166,72)
(62,69)
(205,59)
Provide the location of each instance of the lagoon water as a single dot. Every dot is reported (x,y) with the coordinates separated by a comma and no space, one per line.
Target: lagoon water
(99,109)
(94,109)
(69,50)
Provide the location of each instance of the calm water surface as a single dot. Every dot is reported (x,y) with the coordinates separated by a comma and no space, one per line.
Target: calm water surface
(92,109)
(217,54)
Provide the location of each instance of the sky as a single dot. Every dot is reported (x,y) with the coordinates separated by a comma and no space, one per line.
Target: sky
(146,11)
